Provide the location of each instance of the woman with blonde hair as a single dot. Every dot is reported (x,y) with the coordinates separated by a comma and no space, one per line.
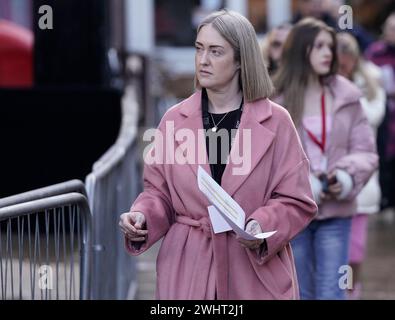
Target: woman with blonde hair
(194,262)
(339,144)
(367,77)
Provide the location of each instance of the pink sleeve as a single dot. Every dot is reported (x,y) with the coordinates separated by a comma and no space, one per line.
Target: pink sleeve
(290,207)
(155,203)
(289,211)
(361,160)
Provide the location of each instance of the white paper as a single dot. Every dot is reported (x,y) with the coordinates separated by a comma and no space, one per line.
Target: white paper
(229,209)
(219,223)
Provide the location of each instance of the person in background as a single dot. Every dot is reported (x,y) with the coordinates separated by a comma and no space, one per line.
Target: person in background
(339,144)
(272,46)
(333,9)
(273,189)
(382,53)
(367,77)
(315,9)
(329,12)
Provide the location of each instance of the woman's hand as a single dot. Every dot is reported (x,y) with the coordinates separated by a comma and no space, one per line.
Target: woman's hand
(334,187)
(252,228)
(131,224)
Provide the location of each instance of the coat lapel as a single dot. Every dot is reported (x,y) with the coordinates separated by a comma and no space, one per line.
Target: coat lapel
(193,122)
(251,143)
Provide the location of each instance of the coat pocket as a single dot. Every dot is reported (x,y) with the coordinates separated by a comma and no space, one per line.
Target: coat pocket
(278,276)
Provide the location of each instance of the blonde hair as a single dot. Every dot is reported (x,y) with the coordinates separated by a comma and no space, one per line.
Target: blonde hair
(238,31)
(264,46)
(347,44)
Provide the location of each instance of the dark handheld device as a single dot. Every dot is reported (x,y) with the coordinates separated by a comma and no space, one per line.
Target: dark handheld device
(326,182)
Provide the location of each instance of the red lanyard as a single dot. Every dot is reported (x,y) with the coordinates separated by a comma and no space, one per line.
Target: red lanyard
(320,144)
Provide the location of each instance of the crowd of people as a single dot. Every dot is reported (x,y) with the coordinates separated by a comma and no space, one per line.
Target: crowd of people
(322,136)
(370,71)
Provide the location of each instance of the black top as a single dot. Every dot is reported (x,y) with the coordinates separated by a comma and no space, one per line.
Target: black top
(219,143)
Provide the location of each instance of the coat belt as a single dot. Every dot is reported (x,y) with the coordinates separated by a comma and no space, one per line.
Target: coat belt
(202,224)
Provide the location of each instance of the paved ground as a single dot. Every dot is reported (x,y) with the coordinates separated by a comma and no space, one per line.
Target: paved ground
(378,270)
(147,274)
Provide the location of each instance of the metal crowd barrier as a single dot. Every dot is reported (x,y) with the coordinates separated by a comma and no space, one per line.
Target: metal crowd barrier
(65,216)
(54,190)
(112,186)
(45,245)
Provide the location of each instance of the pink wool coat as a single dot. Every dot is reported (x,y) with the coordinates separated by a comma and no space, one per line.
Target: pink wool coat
(195,263)
(351,147)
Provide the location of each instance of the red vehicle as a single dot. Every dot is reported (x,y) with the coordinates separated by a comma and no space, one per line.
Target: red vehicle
(16,55)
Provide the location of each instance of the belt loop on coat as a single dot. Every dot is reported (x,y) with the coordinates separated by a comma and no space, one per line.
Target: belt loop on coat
(202,223)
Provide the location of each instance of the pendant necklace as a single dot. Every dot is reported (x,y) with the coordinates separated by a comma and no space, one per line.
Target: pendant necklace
(215,128)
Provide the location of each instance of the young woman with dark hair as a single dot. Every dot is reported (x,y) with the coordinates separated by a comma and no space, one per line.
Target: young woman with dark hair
(340,145)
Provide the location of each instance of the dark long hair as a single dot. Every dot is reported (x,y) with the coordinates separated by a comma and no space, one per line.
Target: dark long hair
(295,68)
